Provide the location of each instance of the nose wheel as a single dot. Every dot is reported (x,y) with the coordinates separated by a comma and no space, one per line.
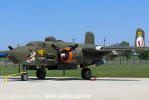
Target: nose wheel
(41,73)
(86,74)
(24,77)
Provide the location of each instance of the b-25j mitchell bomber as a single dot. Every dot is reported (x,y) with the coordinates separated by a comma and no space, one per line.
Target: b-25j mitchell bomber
(58,55)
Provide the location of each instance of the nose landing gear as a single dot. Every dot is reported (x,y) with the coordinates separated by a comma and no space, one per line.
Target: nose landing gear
(24,76)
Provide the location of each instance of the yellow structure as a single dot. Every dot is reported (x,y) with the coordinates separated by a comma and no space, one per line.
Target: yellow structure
(40,52)
(13,75)
(140,34)
(5,79)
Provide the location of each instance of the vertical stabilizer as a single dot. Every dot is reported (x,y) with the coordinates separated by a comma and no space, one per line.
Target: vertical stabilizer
(140,38)
(89,38)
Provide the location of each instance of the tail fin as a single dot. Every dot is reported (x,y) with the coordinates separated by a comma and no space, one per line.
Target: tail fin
(140,38)
(89,38)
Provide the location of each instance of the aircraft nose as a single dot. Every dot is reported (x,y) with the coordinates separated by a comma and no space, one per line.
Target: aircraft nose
(17,55)
(13,56)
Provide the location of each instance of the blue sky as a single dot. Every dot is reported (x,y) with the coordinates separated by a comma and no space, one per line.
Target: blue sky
(22,21)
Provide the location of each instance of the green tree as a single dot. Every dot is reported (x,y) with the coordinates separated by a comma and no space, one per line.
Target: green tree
(127,53)
(144,55)
(124,44)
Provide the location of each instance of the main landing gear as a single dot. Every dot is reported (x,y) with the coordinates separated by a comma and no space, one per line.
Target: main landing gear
(41,73)
(86,73)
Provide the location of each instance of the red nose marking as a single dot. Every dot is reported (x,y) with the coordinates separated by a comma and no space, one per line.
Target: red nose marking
(139,43)
(26,58)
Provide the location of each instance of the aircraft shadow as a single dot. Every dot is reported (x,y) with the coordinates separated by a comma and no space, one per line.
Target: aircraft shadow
(115,79)
(36,79)
(72,79)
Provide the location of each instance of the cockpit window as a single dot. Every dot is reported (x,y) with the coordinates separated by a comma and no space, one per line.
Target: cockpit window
(31,44)
(37,44)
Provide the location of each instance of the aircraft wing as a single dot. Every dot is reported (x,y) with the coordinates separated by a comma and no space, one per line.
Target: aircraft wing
(126,48)
(121,50)
(115,51)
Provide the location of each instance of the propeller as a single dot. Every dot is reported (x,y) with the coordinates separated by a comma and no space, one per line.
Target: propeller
(66,54)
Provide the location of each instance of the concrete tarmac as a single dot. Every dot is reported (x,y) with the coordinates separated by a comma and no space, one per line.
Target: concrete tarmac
(74,89)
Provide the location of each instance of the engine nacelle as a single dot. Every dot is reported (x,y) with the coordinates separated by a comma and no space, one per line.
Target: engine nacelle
(66,56)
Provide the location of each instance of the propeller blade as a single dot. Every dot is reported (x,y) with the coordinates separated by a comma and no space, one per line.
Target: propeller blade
(10,47)
(73,47)
(56,48)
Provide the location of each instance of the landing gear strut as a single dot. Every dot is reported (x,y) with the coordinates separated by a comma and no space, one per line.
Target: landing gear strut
(41,73)
(86,73)
(24,77)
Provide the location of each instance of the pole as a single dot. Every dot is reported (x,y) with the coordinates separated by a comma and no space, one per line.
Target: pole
(73,40)
(104,41)
(6,63)
(19,70)
(64,72)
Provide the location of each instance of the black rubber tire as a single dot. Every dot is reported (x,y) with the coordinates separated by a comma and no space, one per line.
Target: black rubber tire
(86,73)
(41,73)
(24,77)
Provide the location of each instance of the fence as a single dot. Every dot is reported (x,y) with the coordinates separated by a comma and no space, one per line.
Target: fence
(6,63)
(121,61)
